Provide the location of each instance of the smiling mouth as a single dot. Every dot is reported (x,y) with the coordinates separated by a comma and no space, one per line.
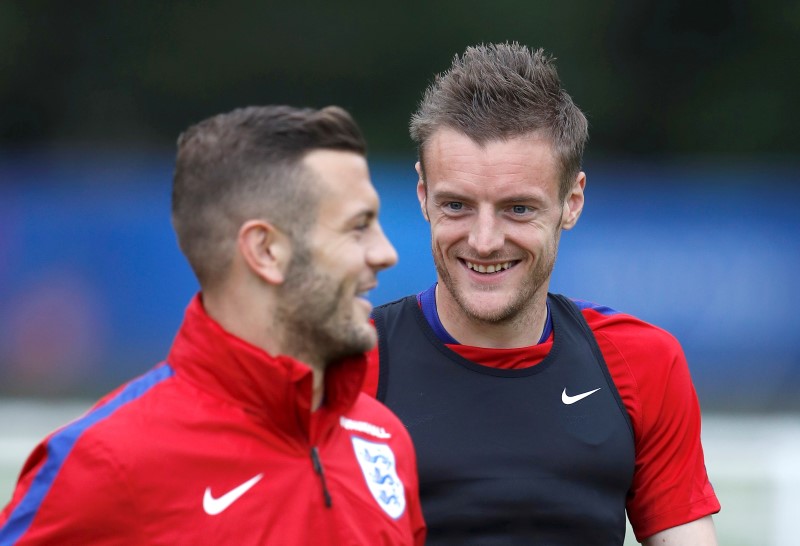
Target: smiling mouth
(490,268)
(364,292)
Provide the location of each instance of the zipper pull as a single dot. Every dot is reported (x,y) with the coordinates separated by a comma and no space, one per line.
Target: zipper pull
(315,460)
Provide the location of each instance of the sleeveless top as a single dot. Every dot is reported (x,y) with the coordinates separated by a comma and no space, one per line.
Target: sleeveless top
(541,455)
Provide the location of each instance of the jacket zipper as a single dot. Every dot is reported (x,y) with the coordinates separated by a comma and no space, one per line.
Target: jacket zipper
(315,460)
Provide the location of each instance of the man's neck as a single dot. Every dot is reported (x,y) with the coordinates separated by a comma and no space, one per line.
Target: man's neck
(253,324)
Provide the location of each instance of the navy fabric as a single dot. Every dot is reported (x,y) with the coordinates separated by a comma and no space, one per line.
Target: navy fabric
(427,302)
(502,458)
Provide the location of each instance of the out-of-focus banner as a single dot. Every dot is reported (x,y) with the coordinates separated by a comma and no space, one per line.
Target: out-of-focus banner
(93,286)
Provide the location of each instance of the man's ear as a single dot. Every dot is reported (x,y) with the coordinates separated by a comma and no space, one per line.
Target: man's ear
(265,249)
(422,192)
(573,205)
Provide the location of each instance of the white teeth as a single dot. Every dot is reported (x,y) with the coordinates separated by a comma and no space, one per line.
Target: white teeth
(491,268)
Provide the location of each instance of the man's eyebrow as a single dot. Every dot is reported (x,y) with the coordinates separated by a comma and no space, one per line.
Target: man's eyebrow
(523,198)
(367,213)
(448,195)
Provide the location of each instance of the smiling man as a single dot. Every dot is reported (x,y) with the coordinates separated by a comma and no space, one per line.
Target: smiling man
(254,430)
(538,419)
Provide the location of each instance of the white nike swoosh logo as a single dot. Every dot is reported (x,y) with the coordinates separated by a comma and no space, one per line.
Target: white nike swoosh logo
(567,399)
(214,506)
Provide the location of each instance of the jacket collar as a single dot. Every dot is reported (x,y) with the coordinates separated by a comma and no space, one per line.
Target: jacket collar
(274,388)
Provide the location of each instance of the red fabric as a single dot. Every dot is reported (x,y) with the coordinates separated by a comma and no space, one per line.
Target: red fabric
(647,364)
(229,413)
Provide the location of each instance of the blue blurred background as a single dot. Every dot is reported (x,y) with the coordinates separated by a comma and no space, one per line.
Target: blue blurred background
(94,285)
(691,219)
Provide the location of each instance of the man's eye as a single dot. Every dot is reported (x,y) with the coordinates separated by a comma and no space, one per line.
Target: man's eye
(519,209)
(454,206)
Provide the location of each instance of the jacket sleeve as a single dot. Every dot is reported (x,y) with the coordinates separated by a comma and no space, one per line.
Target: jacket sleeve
(69,494)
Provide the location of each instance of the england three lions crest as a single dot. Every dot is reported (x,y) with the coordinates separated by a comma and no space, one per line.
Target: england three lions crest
(380,470)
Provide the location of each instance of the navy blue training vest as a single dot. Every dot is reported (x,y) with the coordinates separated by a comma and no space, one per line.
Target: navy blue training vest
(502,458)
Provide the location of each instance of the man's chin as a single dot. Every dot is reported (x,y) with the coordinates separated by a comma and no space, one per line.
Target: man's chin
(487,311)
(370,338)
(363,341)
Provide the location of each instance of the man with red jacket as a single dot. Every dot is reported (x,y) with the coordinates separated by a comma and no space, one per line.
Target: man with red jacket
(253,431)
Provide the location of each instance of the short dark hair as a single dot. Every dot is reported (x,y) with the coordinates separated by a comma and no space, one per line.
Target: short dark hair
(501,91)
(246,164)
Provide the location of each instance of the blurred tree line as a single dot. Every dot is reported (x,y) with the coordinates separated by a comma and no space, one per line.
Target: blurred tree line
(660,77)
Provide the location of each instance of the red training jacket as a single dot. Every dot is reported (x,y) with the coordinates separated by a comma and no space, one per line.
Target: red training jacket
(219,445)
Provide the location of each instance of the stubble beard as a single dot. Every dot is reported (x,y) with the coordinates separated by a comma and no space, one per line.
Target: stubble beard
(518,308)
(316,315)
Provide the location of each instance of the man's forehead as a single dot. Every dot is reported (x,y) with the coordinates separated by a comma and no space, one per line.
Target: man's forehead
(450,149)
(447,135)
(519,168)
(343,182)
(327,159)
(458,146)
(336,170)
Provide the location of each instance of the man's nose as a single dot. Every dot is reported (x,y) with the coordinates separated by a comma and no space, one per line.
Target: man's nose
(486,235)
(382,254)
